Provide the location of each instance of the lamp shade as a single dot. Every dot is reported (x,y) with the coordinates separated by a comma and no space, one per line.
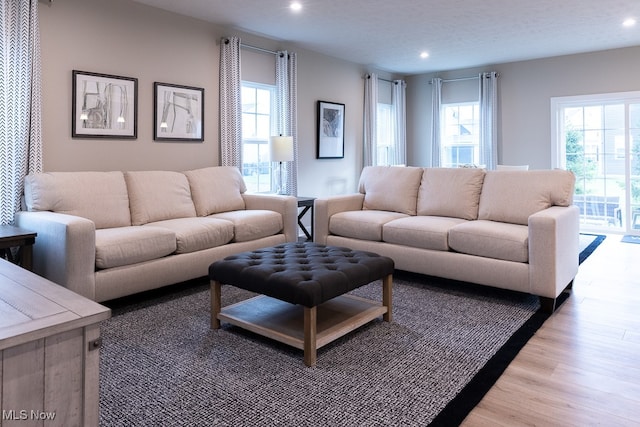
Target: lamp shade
(281,148)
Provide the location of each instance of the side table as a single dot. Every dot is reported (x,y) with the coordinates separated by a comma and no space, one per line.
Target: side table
(49,352)
(12,237)
(306,203)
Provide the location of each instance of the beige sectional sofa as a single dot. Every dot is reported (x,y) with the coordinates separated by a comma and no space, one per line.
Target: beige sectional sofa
(514,230)
(106,235)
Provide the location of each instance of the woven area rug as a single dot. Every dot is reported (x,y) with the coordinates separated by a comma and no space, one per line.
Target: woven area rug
(588,244)
(161,364)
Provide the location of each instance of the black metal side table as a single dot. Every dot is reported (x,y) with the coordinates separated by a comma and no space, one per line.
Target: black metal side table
(12,237)
(306,203)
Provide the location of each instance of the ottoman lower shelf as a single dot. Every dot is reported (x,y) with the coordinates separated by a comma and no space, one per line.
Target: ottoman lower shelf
(284,322)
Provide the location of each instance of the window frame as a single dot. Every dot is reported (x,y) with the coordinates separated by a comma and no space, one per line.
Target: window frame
(261,167)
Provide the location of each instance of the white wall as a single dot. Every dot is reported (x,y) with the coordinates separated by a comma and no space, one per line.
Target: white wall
(525,92)
(121,37)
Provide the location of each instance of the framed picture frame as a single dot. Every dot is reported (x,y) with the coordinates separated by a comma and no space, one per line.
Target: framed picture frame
(330,130)
(178,112)
(104,106)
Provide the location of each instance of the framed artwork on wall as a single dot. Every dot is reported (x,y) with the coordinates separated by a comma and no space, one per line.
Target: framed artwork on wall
(330,130)
(178,112)
(104,106)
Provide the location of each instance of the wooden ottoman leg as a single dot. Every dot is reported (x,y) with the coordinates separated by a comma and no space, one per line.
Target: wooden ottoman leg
(387,286)
(215,304)
(310,321)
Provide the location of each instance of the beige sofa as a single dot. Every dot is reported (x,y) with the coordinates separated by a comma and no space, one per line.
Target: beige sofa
(514,230)
(106,235)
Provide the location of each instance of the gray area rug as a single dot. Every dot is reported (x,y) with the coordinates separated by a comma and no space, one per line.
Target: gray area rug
(161,364)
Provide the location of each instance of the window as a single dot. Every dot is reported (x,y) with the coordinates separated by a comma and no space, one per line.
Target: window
(257,106)
(385,132)
(597,137)
(460,134)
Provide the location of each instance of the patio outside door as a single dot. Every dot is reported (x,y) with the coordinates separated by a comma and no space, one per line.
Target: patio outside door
(599,140)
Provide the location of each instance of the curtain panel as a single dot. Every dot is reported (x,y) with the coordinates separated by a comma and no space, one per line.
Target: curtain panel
(370,154)
(20,101)
(489,119)
(436,103)
(230,103)
(287,113)
(399,104)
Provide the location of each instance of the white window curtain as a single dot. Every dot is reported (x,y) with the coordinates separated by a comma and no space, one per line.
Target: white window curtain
(370,112)
(230,103)
(436,103)
(489,119)
(399,105)
(20,101)
(287,113)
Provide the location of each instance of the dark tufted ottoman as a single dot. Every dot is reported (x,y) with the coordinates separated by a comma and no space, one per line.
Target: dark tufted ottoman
(301,284)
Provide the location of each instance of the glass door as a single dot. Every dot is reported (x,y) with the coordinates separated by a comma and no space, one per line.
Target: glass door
(598,138)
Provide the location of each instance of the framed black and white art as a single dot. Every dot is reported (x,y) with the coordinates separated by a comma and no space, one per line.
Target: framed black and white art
(103,106)
(178,113)
(330,130)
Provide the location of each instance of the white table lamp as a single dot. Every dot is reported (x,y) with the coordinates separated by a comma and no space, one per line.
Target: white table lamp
(281,150)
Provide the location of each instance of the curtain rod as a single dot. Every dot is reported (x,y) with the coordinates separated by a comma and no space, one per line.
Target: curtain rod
(461,79)
(246,46)
(368,76)
(259,49)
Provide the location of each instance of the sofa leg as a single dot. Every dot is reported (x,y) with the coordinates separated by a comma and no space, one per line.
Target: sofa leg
(548,305)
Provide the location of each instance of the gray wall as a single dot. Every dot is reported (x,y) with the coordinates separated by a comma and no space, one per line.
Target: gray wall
(525,92)
(124,38)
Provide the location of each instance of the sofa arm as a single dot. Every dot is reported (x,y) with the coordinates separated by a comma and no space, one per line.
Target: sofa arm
(65,249)
(554,235)
(325,207)
(287,206)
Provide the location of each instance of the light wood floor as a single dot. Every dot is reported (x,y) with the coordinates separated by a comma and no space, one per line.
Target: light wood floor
(582,368)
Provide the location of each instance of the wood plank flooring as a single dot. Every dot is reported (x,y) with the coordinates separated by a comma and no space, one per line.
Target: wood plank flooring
(582,368)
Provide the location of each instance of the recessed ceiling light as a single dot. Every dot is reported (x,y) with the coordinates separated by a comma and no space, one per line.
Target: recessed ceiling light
(295,6)
(424,55)
(629,22)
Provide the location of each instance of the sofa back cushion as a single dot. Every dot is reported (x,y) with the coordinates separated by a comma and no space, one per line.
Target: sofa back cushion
(390,188)
(512,196)
(216,189)
(98,196)
(158,195)
(450,192)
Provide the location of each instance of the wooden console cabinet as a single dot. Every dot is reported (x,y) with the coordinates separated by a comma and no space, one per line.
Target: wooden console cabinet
(49,352)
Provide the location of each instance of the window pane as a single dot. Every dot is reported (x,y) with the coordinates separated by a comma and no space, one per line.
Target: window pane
(248,99)
(460,139)
(384,135)
(248,126)
(263,127)
(256,128)
(263,101)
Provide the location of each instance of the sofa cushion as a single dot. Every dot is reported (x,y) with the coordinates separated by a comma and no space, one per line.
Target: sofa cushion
(450,192)
(499,240)
(253,224)
(158,195)
(390,188)
(364,225)
(216,189)
(512,196)
(120,246)
(98,196)
(426,232)
(196,234)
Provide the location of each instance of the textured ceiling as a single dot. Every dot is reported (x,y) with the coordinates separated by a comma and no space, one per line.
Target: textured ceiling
(389,35)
